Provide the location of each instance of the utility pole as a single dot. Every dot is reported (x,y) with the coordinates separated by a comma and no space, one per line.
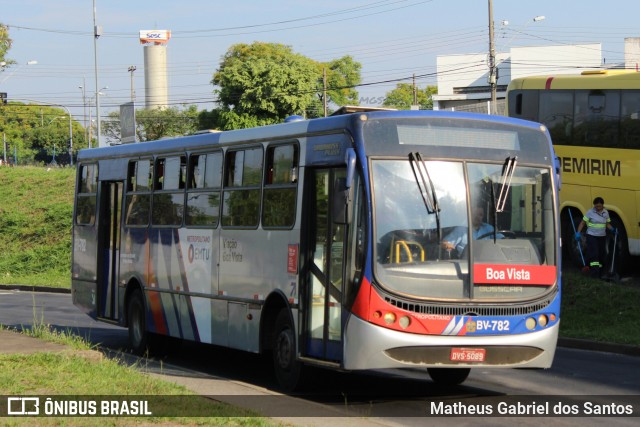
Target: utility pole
(493,72)
(133,92)
(415,90)
(324,90)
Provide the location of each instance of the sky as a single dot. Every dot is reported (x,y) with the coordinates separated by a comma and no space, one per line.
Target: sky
(392,39)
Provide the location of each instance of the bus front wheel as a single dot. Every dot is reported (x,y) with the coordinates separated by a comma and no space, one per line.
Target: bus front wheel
(448,376)
(287,369)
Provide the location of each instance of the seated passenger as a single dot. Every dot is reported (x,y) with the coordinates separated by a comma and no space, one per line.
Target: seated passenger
(457,239)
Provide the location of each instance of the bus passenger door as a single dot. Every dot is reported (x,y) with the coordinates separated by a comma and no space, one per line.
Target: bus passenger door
(324,278)
(108,248)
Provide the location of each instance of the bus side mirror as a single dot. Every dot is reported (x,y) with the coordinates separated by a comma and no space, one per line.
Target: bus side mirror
(342,203)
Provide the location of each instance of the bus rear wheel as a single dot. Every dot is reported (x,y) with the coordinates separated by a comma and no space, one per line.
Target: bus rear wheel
(138,336)
(288,370)
(448,376)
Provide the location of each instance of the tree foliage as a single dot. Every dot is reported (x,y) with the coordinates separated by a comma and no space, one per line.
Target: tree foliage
(263,83)
(342,77)
(153,124)
(402,97)
(5,44)
(35,131)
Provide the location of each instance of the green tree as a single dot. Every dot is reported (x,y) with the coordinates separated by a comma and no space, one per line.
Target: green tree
(402,97)
(342,77)
(263,83)
(34,130)
(5,44)
(153,124)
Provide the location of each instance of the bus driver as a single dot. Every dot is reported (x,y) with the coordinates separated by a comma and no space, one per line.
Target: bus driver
(457,239)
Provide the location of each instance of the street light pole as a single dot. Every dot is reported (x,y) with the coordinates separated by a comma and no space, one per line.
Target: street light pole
(133,92)
(4,64)
(97,32)
(84,107)
(493,74)
(96,96)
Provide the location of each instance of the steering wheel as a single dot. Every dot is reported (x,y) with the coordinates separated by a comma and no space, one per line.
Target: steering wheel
(508,234)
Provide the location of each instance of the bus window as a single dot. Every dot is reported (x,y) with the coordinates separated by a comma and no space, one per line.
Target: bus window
(168,204)
(280,186)
(86,198)
(138,199)
(203,194)
(596,115)
(630,120)
(556,111)
(241,200)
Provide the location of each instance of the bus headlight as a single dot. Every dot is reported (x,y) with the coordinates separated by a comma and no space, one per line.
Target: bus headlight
(404,322)
(543,320)
(530,323)
(389,318)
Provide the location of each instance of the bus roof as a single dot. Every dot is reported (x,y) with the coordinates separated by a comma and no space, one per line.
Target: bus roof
(282,131)
(593,79)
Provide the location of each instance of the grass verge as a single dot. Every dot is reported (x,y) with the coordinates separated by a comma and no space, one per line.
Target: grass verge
(87,373)
(598,310)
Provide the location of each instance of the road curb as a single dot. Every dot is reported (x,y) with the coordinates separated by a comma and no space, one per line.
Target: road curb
(29,288)
(626,349)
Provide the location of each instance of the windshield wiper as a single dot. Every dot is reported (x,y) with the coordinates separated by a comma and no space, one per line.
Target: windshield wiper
(426,187)
(508,169)
(495,210)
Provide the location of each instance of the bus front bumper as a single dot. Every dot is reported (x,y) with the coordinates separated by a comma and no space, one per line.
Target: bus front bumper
(368,346)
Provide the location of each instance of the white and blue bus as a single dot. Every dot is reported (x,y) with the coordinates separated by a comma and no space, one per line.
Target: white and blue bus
(321,242)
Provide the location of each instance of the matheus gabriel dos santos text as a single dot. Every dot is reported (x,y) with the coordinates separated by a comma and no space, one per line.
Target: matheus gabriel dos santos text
(553,407)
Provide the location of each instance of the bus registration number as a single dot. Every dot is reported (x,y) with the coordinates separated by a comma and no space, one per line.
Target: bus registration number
(467,354)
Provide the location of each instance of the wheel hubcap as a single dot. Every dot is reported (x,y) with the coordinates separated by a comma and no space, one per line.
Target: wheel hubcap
(284,347)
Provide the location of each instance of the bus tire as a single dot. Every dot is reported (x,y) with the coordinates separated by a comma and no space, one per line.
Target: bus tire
(448,376)
(288,370)
(136,319)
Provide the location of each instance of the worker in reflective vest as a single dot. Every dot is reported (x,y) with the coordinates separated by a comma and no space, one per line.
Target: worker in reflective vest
(597,221)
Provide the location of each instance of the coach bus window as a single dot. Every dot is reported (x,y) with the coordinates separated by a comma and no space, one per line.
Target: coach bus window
(168,204)
(86,198)
(138,199)
(630,120)
(241,200)
(596,114)
(279,207)
(203,193)
(556,111)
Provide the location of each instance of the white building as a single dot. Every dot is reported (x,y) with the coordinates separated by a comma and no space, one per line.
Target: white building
(463,79)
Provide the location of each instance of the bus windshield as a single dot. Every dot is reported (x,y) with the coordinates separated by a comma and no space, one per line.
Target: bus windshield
(426,253)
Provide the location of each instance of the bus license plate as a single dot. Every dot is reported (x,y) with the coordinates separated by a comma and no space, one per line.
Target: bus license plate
(467,354)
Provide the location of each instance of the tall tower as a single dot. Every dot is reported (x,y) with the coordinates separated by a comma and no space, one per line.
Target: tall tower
(155,67)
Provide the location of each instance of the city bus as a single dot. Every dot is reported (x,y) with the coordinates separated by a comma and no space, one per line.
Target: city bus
(594,122)
(319,242)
